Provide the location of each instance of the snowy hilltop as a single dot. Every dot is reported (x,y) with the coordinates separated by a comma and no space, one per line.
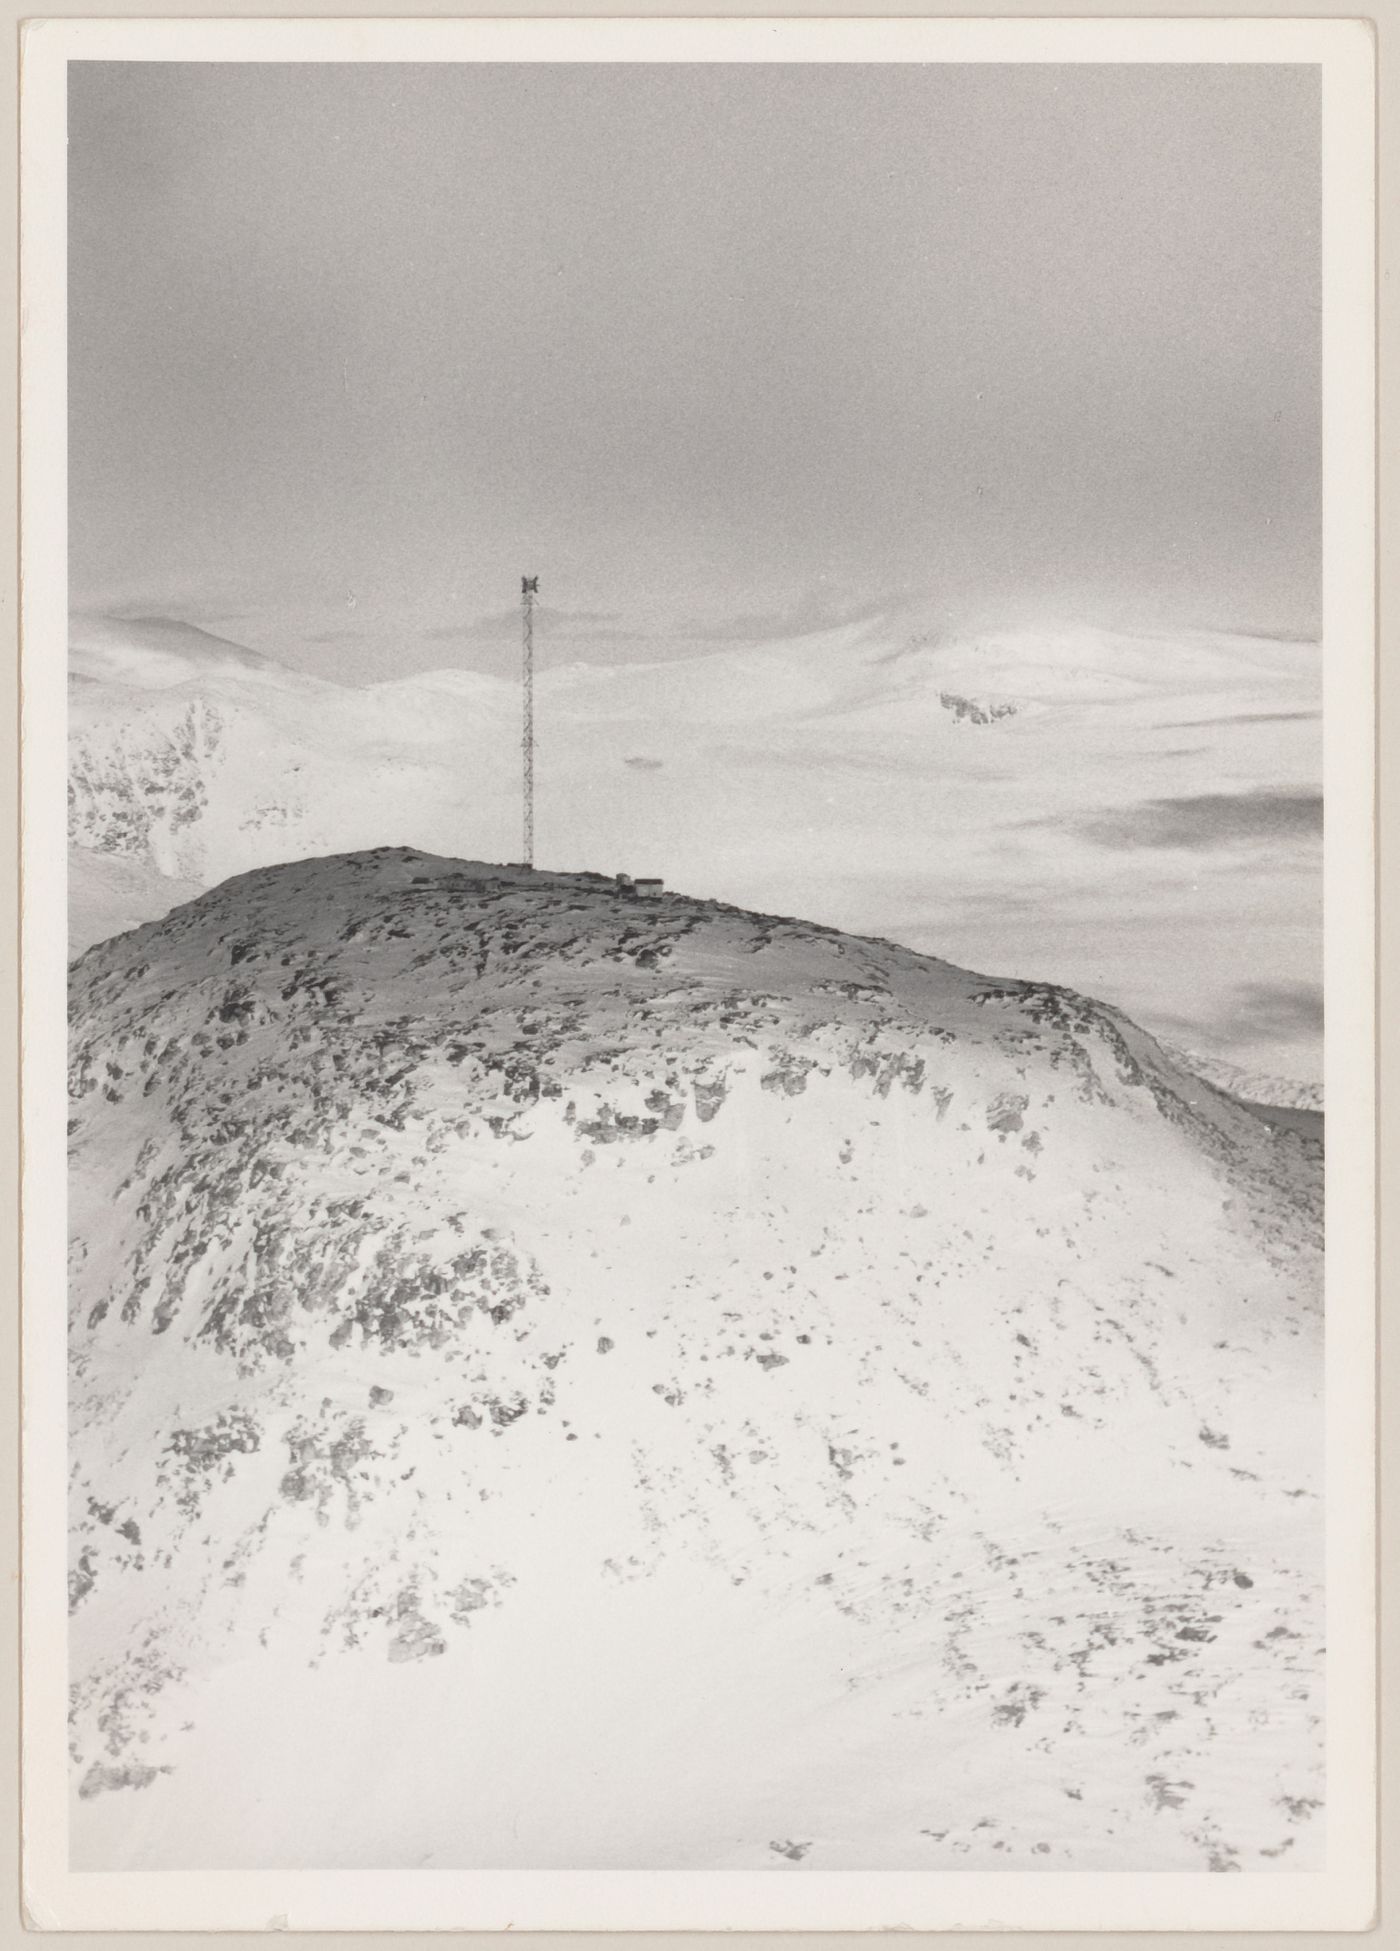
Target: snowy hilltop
(530,1344)
(1133,816)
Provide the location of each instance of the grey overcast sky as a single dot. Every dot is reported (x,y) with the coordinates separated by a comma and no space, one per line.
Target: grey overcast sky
(712,349)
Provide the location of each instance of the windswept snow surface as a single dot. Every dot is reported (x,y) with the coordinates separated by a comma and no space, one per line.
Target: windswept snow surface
(562,1381)
(1138,816)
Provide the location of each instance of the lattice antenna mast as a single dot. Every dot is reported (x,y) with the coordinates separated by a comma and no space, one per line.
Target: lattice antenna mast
(529,585)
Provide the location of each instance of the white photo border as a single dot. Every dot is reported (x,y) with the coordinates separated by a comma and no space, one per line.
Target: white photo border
(1341,1897)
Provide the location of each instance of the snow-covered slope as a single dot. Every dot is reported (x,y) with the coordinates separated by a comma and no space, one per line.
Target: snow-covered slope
(1254,1087)
(200,765)
(1130,815)
(152,653)
(109,893)
(567,1381)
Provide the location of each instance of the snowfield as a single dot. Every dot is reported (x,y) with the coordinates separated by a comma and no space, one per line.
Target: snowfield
(1135,816)
(567,1381)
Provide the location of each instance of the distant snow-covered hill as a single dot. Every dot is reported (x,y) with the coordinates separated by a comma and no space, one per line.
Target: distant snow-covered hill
(152,653)
(1253,1087)
(192,764)
(561,1380)
(1132,815)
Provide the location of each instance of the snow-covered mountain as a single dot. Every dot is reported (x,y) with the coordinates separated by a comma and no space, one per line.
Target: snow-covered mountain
(1254,1087)
(1134,816)
(565,1380)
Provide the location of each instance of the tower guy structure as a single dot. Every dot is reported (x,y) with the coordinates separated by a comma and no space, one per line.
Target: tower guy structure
(529,587)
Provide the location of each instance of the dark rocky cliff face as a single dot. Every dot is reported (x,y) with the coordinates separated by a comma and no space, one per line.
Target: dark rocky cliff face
(848,1383)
